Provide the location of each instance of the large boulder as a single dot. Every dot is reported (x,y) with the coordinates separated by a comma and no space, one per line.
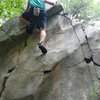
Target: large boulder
(69,71)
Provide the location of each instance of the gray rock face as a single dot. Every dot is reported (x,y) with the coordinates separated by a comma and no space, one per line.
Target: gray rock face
(69,71)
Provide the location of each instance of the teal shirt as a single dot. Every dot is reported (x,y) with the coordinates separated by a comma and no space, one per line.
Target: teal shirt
(37,3)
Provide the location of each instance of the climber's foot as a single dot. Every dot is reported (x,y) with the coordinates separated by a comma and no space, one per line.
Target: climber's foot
(42,48)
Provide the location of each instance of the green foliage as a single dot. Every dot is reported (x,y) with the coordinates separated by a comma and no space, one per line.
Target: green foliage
(85,10)
(11,8)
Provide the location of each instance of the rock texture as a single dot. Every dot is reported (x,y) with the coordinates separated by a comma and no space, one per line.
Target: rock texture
(69,71)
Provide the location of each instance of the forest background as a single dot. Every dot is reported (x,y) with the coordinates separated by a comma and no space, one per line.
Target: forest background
(86,11)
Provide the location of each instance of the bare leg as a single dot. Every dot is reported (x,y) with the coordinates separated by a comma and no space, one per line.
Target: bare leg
(23,20)
(42,35)
(42,39)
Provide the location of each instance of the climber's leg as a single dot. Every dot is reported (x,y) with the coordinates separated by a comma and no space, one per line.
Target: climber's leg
(22,19)
(42,25)
(42,39)
(42,35)
(26,16)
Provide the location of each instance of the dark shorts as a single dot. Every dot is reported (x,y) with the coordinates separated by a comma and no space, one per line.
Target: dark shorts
(39,21)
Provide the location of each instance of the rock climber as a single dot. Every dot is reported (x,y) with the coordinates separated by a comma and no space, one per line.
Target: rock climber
(36,12)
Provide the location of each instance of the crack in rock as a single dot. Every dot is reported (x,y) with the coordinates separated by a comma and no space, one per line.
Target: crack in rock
(11,70)
(88,60)
(7,77)
(49,71)
(91,58)
(11,37)
(5,80)
(3,85)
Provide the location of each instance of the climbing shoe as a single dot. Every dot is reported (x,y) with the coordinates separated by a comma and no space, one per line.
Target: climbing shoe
(42,48)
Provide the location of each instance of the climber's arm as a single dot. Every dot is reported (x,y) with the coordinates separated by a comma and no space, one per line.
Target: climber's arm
(28,5)
(51,3)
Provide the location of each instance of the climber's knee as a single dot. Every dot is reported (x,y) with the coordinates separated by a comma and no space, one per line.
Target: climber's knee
(21,18)
(42,29)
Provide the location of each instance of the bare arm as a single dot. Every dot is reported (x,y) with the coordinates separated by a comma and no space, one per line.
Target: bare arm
(46,1)
(28,5)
